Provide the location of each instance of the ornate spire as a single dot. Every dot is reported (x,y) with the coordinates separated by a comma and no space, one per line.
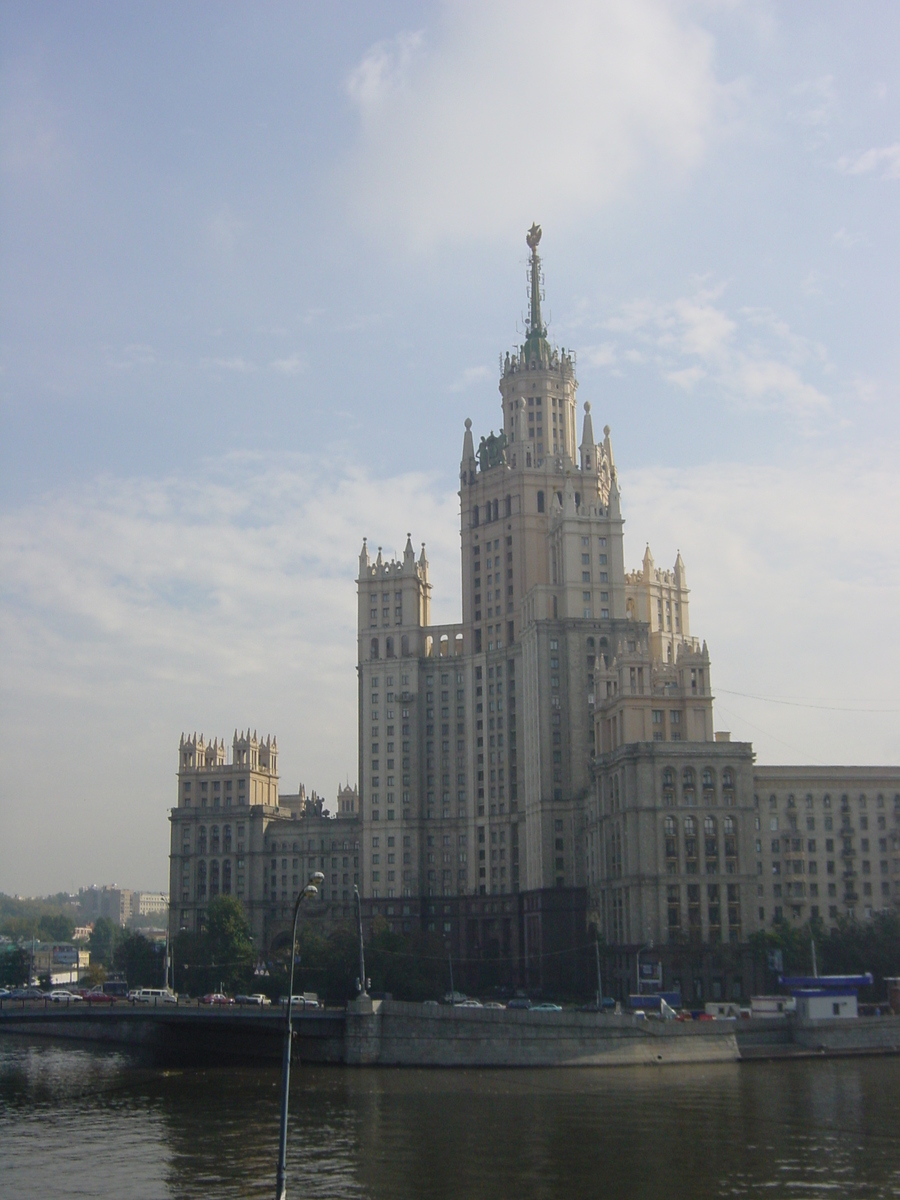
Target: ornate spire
(536,345)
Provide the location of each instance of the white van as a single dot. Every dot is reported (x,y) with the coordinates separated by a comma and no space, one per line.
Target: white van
(155,996)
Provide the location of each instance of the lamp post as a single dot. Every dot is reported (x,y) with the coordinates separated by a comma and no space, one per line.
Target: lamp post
(362,954)
(281,1183)
(649,946)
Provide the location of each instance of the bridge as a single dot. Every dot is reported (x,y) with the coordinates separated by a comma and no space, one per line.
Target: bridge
(187,1033)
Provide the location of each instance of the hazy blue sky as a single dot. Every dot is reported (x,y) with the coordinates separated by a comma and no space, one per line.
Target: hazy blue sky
(257,264)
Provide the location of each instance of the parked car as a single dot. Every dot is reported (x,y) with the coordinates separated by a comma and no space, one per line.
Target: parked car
(98,996)
(62,996)
(26,993)
(154,996)
(4,992)
(494,1004)
(256,998)
(216,998)
(468,1004)
(308,1000)
(547,1006)
(519,1002)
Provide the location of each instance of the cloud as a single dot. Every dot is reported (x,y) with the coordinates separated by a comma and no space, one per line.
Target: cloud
(32,144)
(133,609)
(294,364)
(777,557)
(470,377)
(603,355)
(751,356)
(847,241)
(816,107)
(222,231)
(883,158)
(237,363)
(459,128)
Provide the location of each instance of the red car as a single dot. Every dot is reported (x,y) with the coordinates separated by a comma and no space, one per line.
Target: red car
(216,998)
(98,996)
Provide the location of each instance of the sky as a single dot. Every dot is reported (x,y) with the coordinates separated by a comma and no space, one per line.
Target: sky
(258,264)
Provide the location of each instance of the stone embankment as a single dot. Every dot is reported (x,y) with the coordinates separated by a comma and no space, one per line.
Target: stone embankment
(392,1033)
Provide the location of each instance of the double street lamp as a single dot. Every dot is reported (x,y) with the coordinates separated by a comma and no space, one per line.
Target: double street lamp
(311,889)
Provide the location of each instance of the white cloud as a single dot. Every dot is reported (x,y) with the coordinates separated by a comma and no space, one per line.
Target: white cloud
(236,363)
(751,356)
(222,232)
(778,558)
(841,237)
(452,126)
(603,355)
(294,364)
(817,104)
(470,377)
(883,158)
(130,610)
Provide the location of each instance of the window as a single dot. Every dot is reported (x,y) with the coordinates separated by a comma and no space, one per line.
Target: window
(540,503)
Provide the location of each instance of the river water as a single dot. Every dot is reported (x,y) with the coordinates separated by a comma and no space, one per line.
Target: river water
(87,1122)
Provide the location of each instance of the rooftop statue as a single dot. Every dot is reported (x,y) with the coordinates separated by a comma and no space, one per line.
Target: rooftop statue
(533,236)
(492,451)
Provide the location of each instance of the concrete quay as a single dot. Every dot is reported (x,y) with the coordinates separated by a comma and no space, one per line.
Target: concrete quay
(393,1033)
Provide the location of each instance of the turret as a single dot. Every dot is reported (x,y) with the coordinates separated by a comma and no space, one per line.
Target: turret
(467,465)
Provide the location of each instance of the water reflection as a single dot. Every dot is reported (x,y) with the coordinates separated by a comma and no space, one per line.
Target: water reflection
(79,1122)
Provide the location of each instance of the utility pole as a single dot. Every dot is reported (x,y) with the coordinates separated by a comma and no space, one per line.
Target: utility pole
(362,953)
(450,961)
(599,983)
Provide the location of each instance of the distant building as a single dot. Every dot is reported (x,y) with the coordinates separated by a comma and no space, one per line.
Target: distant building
(148,904)
(116,904)
(233,834)
(62,962)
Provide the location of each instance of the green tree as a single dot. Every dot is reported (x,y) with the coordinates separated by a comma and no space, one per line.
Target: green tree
(139,960)
(14,965)
(58,928)
(222,953)
(102,942)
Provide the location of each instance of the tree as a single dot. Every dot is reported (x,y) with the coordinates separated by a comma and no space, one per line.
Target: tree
(58,928)
(139,960)
(102,942)
(221,953)
(14,967)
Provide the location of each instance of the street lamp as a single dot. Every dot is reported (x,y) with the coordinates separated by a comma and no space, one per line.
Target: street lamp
(362,952)
(311,889)
(649,946)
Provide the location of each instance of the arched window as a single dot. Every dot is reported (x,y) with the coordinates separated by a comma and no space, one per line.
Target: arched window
(540,501)
(227,839)
(728,778)
(689,827)
(373,650)
(201,840)
(709,826)
(670,826)
(214,839)
(668,777)
(404,645)
(590,644)
(213,879)
(508,503)
(496,510)
(728,824)
(389,647)
(687,777)
(708,781)
(201,881)
(226,877)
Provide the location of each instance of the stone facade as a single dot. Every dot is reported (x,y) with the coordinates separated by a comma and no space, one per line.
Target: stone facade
(549,762)
(232,833)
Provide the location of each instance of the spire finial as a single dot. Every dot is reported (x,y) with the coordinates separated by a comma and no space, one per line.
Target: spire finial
(533,238)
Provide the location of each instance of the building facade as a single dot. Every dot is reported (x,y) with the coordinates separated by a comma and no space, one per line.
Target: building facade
(550,762)
(233,834)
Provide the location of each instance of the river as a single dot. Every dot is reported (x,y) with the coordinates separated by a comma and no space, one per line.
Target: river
(96,1123)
